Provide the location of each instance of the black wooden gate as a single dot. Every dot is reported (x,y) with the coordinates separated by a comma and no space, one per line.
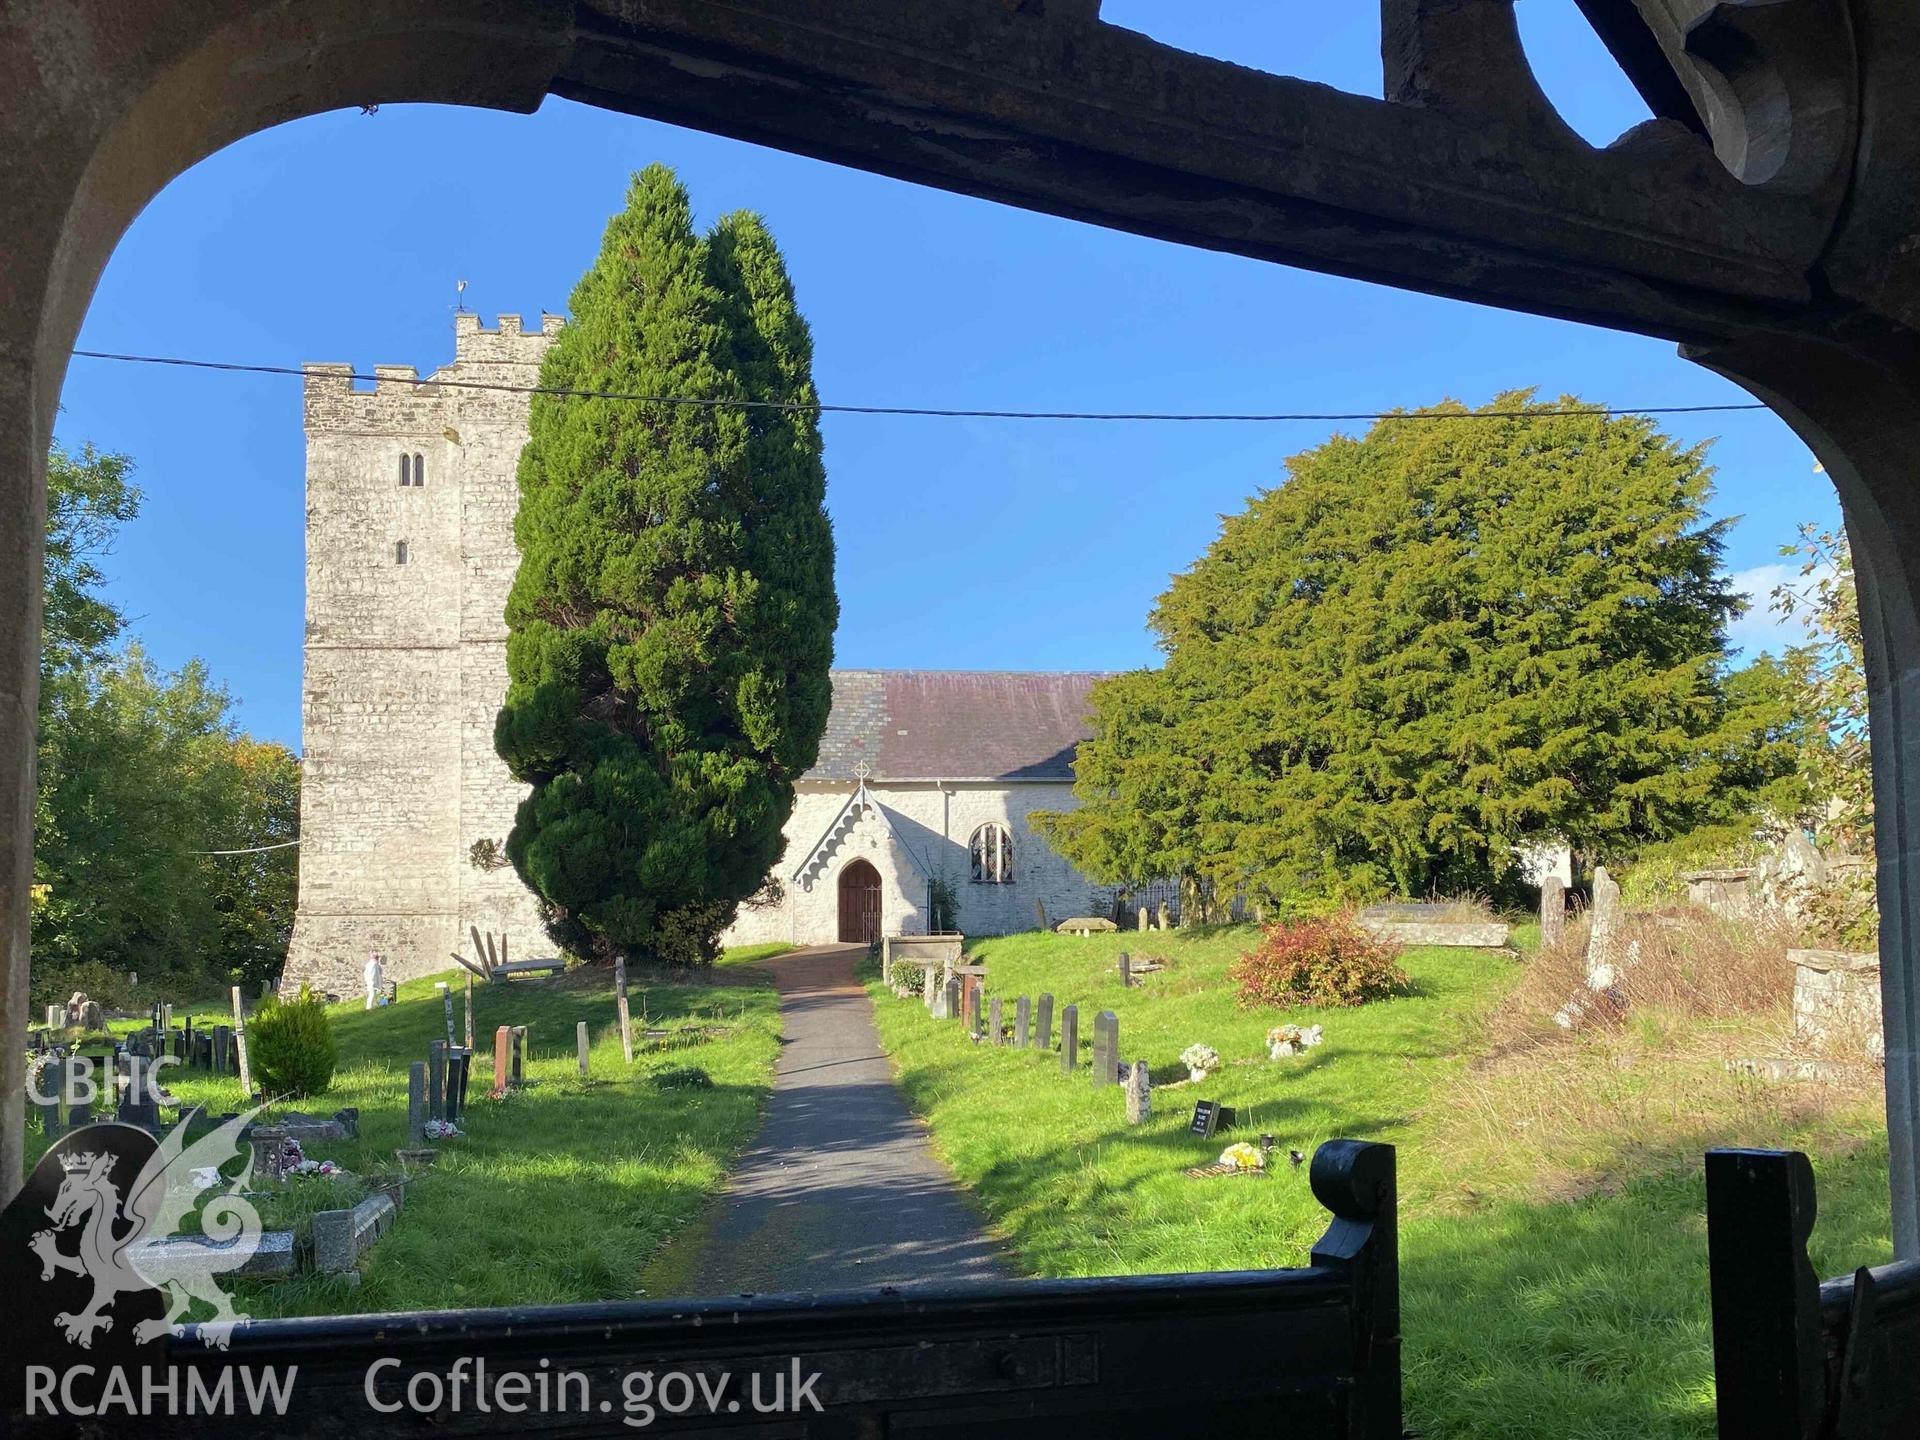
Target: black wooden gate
(1302,1353)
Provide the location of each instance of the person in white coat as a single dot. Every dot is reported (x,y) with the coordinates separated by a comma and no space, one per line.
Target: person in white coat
(373,974)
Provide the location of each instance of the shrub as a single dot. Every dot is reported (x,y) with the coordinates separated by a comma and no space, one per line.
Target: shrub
(292,1047)
(1329,961)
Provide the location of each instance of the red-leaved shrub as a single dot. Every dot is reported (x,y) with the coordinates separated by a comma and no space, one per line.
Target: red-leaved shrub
(1328,961)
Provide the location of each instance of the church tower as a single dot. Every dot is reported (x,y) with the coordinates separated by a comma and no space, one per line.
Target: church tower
(410,554)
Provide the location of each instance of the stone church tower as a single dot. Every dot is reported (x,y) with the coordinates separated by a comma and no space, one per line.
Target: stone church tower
(410,553)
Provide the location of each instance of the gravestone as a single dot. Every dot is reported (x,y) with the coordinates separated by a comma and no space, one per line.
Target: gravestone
(1166,916)
(1603,938)
(620,1005)
(460,1066)
(950,1001)
(502,1059)
(417,1104)
(137,1103)
(436,1079)
(46,1097)
(580,1044)
(469,1045)
(56,1017)
(240,1043)
(1106,1048)
(1139,1094)
(521,1041)
(1145,923)
(1069,1038)
(1126,971)
(1553,911)
(930,990)
(976,1021)
(1022,1022)
(995,1022)
(222,1049)
(1043,1024)
(269,1151)
(446,999)
(79,1102)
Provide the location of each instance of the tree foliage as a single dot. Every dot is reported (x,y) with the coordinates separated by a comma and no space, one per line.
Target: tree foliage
(1831,672)
(139,769)
(671,624)
(1430,645)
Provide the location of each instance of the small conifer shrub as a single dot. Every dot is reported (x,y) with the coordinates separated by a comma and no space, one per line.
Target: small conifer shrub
(292,1047)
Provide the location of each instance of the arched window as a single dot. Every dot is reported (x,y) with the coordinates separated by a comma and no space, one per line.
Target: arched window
(406,470)
(399,552)
(419,468)
(991,852)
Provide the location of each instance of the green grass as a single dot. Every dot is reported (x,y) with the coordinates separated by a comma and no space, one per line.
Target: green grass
(1518,1304)
(562,1191)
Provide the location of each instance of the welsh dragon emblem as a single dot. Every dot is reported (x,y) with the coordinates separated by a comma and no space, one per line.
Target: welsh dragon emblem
(118,1247)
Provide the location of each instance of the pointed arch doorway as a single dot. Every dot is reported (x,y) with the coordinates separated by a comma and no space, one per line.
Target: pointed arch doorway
(859,903)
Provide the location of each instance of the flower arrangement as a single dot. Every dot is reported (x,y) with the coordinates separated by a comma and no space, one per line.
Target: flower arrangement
(1242,1156)
(1285,1040)
(442,1130)
(314,1169)
(1200,1060)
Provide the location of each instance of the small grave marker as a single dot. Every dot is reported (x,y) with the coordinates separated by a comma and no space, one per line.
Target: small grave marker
(1126,971)
(1139,1094)
(469,1014)
(995,1021)
(1022,1022)
(620,1004)
(46,1097)
(436,1080)
(1145,923)
(502,1059)
(1209,1118)
(950,1007)
(580,1044)
(1553,911)
(446,999)
(459,1066)
(930,989)
(1069,1039)
(79,1101)
(222,1060)
(522,1052)
(1043,1024)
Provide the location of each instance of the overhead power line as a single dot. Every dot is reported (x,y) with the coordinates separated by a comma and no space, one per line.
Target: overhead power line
(928,411)
(251,850)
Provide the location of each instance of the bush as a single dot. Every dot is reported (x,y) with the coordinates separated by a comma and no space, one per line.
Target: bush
(1327,961)
(292,1047)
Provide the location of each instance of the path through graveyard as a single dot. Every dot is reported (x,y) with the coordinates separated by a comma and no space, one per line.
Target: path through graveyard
(840,1189)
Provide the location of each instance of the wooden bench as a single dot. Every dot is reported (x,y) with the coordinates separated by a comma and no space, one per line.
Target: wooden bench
(507,969)
(1796,1358)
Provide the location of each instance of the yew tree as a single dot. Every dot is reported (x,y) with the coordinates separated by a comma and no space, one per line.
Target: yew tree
(1431,644)
(670,628)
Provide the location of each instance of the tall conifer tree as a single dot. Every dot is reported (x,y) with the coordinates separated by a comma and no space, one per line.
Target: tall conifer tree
(671,624)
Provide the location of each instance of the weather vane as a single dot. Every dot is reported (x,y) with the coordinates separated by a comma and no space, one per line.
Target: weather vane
(460,296)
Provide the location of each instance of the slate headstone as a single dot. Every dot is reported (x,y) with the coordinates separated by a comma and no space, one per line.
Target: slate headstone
(460,1066)
(521,1041)
(446,1000)
(469,1045)
(952,1005)
(1126,971)
(580,1044)
(240,1044)
(1043,1023)
(625,1014)
(1022,1022)
(1106,1048)
(222,1049)
(417,1104)
(996,1025)
(46,1097)
(436,1080)
(1070,1038)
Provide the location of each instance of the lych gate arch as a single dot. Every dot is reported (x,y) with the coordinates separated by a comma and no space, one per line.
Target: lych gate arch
(1762,220)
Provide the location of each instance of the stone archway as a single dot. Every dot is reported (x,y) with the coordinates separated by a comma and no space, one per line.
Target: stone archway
(859,903)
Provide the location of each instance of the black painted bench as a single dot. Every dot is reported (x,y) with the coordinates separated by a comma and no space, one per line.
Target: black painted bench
(1795,1358)
(1312,1352)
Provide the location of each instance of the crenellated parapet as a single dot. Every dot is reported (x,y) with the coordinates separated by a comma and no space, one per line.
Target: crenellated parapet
(510,342)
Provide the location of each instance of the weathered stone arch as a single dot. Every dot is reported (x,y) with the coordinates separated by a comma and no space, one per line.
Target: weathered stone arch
(1786,260)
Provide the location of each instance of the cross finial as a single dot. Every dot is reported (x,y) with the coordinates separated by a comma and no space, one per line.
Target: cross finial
(862,770)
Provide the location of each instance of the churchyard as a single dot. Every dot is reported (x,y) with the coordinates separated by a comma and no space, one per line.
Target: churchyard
(561,1189)
(1552,1207)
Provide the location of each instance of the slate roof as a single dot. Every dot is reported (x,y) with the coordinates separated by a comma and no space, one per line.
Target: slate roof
(955,724)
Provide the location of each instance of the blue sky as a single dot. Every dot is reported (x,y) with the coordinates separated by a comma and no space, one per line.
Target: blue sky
(964,544)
